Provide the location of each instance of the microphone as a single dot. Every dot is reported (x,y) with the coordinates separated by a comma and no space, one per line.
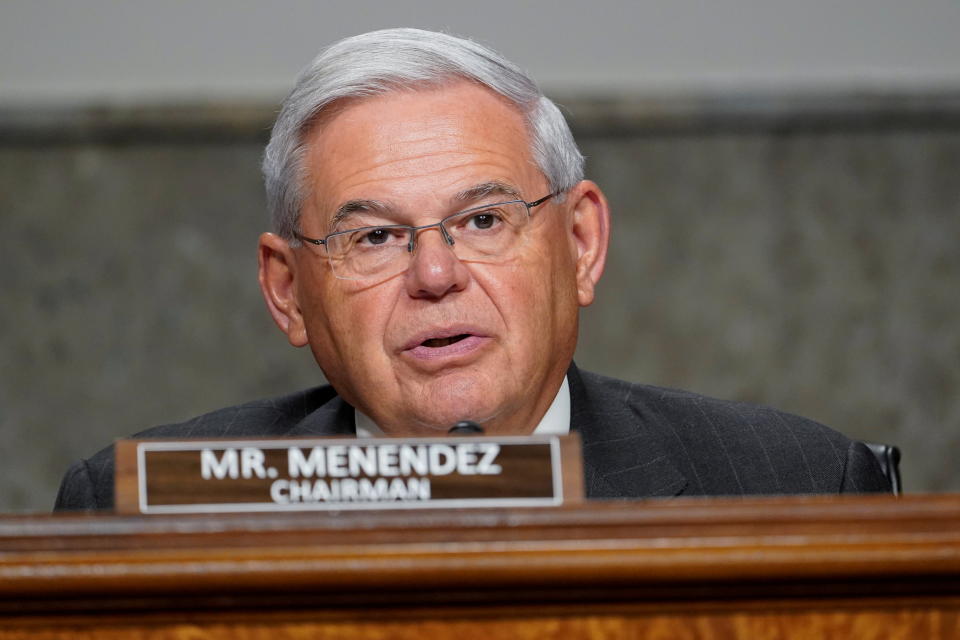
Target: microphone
(466,428)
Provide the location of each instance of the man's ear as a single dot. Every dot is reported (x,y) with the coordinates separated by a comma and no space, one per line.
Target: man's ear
(591,235)
(277,276)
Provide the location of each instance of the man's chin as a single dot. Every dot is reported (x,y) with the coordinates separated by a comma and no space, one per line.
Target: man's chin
(440,417)
(438,423)
(463,394)
(432,405)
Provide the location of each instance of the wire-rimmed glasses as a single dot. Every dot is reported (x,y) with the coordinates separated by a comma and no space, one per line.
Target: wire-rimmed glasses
(481,233)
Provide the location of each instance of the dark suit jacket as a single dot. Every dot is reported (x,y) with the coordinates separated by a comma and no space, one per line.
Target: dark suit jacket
(639,441)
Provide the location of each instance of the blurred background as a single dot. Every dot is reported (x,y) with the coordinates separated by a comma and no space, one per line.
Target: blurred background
(784,176)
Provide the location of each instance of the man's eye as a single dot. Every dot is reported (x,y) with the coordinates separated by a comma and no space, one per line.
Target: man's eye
(485,220)
(375,236)
(378,237)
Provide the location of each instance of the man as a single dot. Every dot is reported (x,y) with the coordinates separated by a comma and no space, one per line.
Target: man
(433,242)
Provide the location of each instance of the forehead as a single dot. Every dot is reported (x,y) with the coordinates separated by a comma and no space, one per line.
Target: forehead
(418,147)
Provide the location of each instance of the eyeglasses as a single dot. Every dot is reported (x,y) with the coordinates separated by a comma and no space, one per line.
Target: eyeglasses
(483,233)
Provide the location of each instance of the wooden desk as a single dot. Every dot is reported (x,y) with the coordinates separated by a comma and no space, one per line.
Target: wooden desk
(871,567)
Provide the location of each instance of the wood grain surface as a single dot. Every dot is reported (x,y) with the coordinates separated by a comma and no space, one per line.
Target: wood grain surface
(862,567)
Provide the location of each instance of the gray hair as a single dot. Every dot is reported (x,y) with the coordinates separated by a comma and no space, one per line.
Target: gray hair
(380,61)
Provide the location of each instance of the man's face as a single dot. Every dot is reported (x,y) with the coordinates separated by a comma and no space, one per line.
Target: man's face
(446,339)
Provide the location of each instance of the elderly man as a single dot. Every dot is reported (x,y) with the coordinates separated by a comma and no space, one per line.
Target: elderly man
(433,242)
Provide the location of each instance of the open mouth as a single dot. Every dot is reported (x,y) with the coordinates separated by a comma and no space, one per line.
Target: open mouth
(443,347)
(435,343)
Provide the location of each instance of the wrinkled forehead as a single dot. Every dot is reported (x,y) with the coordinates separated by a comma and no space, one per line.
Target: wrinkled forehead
(413,145)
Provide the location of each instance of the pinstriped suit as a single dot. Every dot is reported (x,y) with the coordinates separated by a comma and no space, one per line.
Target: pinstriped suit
(638,441)
(642,441)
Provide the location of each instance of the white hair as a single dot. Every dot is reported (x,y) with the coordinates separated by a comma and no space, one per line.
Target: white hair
(380,61)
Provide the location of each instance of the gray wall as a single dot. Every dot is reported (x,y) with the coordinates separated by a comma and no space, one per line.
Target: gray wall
(134,50)
(802,256)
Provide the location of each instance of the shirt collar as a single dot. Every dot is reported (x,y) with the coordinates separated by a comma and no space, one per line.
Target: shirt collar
(556,421)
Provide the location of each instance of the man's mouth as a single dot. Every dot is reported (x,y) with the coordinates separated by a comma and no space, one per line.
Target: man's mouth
(434,343)
(446,345)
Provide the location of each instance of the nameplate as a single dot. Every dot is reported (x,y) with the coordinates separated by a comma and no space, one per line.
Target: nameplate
(218,476)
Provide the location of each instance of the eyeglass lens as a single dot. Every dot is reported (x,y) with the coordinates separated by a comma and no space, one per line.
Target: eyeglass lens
(475,234)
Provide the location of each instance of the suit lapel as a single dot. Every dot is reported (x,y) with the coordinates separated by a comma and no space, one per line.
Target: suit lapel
(333,418)
(621,458)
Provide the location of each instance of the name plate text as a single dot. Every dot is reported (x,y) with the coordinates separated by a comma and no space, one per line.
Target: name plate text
(209,476)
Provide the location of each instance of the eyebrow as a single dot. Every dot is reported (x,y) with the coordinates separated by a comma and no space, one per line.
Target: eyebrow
(485,189)
(471,194)
(354,206)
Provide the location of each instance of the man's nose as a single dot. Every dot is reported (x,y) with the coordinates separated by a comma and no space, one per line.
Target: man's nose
(434,269)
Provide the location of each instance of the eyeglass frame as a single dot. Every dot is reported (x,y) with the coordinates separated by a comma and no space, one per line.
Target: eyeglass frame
(414,231)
